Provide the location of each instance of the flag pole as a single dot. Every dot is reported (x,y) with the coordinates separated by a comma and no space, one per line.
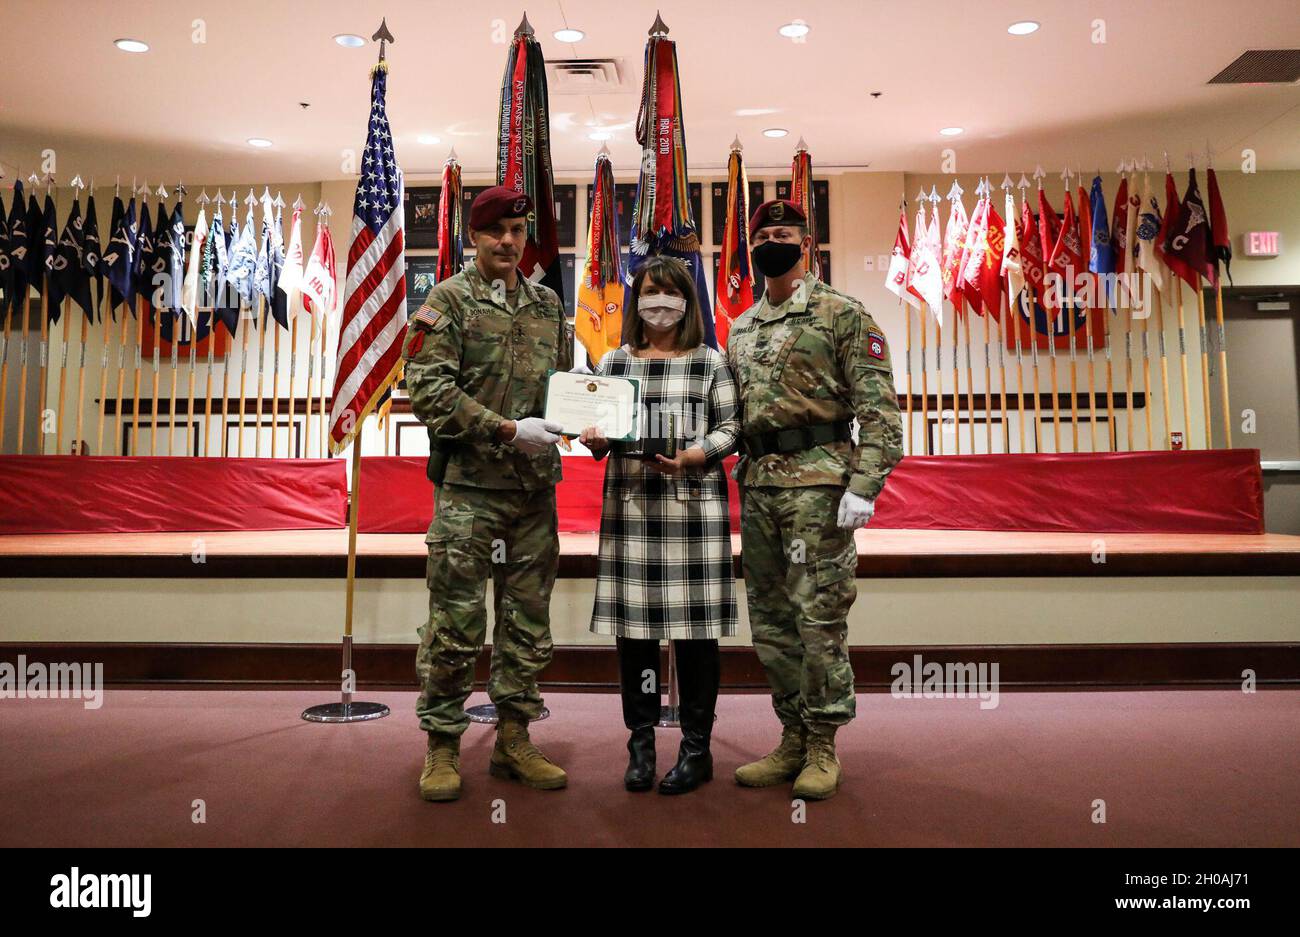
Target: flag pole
(139,365)
(1092,372)
(925,381)
(1223,363)
(1182,357)
(1146,367)
(260,328)
(81,380)
(17,304)
(207,294)
(63,372)
(178,329)
(121,350)
(933,198)
(956,386)
(347,710)
(323,217)
(970,375)
(105,311)
(45,338)
(907,317)
(1000,340)
(1205,364)
(86,318)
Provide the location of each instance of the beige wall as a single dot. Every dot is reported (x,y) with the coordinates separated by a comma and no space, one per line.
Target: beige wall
(887,612)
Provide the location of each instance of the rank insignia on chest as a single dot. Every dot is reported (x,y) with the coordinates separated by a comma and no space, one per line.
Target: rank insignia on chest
(875,344)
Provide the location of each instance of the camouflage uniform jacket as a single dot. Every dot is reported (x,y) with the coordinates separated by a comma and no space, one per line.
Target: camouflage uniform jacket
(816,358)
(472,362)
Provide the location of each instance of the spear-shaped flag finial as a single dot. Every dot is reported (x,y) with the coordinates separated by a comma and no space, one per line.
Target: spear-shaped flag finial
(955,192)
(162,192)
(736,145)
(1006,182)
(660,28)
(524,28)
(934,194)
(451,155)
(603,151)
(382,35)
(801,146)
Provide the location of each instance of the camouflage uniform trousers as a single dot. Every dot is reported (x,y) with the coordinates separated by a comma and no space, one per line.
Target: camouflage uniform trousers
(508,535)
(800,570)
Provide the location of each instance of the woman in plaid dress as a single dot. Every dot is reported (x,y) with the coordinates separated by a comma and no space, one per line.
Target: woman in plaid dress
(665,536)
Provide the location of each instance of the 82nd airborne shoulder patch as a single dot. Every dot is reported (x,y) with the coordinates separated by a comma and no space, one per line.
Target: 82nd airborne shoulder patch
(875,344)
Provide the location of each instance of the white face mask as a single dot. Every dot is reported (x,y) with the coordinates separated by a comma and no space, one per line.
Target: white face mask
(661,311)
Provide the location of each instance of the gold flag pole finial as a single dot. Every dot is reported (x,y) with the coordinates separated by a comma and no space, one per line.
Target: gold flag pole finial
(736,145)
(382,35)
(524,28)
(660,28)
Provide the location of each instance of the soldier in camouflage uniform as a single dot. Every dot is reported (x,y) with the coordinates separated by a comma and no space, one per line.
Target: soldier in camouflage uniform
(809,360)
(476,360)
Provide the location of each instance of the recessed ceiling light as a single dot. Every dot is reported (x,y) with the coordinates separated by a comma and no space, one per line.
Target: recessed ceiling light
(754,111)
(794,30)
(951,131)
(600,135)
(775,132)
(569,35)
(131,45)
(1023,28)
(259,142)
(427,139)
(349,40)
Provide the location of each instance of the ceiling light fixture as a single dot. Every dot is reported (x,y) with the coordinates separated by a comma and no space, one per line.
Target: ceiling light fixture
(349,40)
(131,45)
(1023,28)
(259,142)
(569,35)
(951,131)
(794,30)
(600,135)
(775,132)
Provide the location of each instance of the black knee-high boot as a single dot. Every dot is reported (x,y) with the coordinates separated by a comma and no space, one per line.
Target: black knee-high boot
(699,670)
(640,709)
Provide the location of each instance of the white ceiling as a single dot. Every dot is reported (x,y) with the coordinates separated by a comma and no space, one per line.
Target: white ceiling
(185,109)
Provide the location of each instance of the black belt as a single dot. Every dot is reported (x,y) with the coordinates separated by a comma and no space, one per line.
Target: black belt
(797,438)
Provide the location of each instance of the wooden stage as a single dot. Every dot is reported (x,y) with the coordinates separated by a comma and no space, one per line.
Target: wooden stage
(882,554)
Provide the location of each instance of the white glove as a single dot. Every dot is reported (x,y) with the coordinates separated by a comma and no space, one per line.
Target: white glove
(855,511)
(534,435)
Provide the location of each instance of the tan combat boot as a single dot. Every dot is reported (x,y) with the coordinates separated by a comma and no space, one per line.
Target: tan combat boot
(516,757)
(820,777)
(440,779)
(782,765)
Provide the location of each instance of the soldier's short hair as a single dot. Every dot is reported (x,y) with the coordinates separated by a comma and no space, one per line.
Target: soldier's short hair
(664,271)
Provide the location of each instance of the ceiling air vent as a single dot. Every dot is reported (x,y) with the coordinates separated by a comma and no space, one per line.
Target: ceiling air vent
(585,76)
(1261,66)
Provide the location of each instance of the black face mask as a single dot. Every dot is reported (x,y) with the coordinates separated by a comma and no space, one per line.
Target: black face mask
(776,258)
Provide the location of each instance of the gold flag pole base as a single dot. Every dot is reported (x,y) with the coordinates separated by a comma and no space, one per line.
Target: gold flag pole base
(346,710)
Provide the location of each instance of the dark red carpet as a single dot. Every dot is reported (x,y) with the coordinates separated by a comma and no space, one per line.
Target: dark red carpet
(1185,768)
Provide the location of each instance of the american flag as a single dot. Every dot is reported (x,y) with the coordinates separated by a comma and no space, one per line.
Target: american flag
(374,294)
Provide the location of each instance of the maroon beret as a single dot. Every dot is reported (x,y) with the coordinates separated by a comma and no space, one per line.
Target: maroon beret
(496,203)
(778,211)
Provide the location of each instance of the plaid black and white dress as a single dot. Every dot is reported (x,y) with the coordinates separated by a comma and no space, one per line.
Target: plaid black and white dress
(665,569)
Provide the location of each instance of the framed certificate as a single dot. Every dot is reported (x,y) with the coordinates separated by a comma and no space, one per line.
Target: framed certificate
(577,401)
